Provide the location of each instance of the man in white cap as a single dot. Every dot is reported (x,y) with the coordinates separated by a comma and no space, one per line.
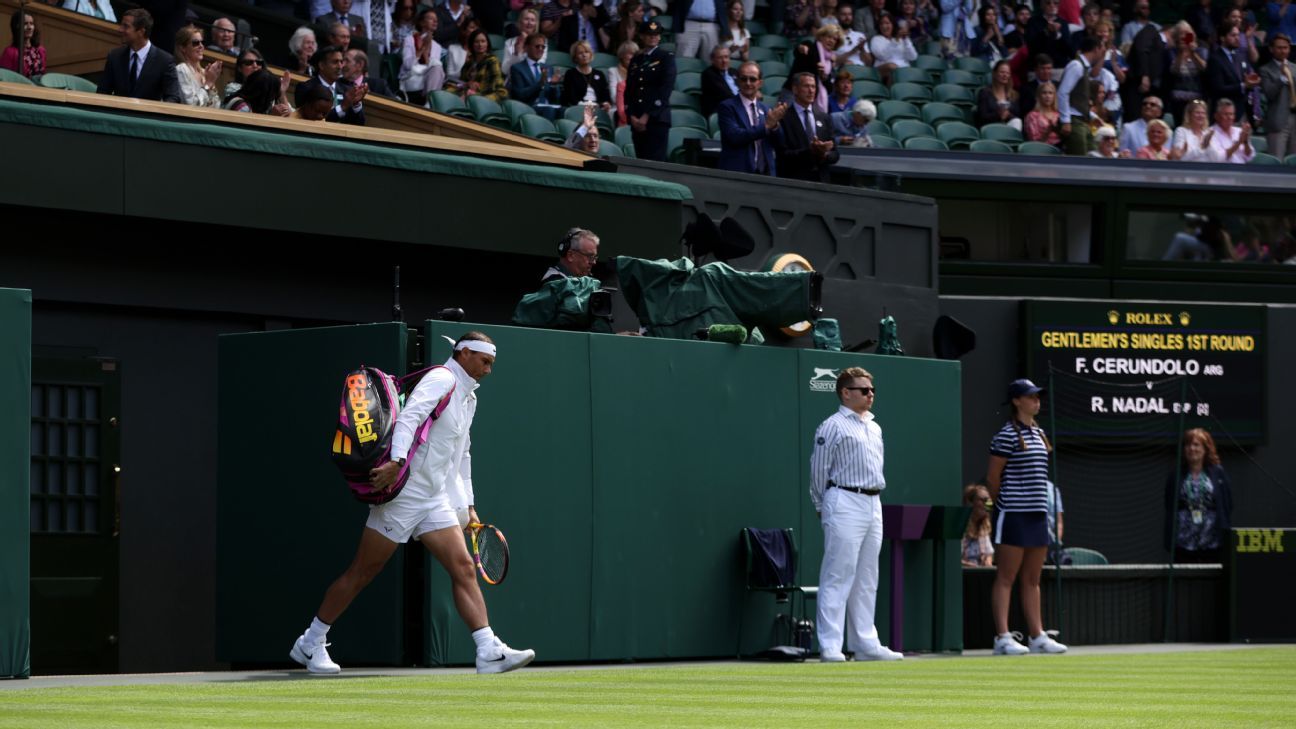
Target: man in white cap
(433,507)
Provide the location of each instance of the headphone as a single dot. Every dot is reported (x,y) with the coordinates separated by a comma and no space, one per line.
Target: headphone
(565,244)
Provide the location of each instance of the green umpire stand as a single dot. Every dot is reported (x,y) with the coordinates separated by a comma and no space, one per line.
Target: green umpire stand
(15,460)
(621,470)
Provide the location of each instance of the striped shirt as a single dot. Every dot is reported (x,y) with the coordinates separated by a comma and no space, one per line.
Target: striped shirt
(848,452)
(1023,486)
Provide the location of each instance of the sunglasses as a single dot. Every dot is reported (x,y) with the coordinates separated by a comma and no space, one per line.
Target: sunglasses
(252,62)
(750,79)
(196,43)
(861,390)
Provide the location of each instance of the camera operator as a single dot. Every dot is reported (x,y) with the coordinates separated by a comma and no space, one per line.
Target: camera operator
(577,254)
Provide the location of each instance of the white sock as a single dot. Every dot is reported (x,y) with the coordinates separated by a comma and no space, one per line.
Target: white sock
(484,638)
(316,632)
(1005,635)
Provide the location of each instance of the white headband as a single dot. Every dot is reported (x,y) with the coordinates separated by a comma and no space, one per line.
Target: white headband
(476,345)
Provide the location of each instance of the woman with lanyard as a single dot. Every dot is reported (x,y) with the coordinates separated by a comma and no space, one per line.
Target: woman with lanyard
(1204,503)
(1018,481)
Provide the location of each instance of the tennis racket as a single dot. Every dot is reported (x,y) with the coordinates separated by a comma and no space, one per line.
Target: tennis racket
(490,552)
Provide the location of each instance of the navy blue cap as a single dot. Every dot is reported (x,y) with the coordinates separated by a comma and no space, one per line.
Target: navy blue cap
(650,27)
(1017,388)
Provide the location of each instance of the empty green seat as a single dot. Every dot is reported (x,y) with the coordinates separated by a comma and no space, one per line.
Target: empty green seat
(448,103)
(990,146)
(774,68)
(713,124)
(1037,148)
(538,127)
(488,111)
(927,144)
(771,87)
(1261,158)
(516,110)
(890,111)
(932,48)
(688,82)
(67,81)
(956,134)
(1082,556)
(559,58)
(910,76)
(913,93)
(675,146)
(565,127)
(688,118)
(885,141)
(962,78)
(954,94)
(773,41)
(905,129)
(862,73)
(604,60)
(681,100)
(876,127)
(759,55)
(936,113)
(929,63)
(971,63)
(622,136)
(1258,143)
(872,90)
(12,77)
(690,65)
(609,149)
(1290,160)
(1002,133)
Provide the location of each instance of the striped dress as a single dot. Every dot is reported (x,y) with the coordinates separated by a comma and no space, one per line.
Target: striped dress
(1023,487)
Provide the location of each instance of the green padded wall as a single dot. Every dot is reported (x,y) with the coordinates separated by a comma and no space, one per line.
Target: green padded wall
(15,504)
(287,524)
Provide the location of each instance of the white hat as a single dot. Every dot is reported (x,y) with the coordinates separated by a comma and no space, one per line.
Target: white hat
(1106,132)
(865,108)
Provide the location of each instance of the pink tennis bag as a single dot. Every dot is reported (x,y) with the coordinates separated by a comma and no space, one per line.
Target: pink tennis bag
(371,403)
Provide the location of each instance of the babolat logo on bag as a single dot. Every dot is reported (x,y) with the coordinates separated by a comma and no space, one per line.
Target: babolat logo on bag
(371,404)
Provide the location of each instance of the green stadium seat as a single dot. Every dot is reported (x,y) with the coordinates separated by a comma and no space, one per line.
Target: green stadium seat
(1258,143)
(1002,133)
(565,127)
(559,58)
(681,100)
(1261,158)
(67,81)
(690,83)
(1082,556)
(906,129)
(1038,148)
(496,41)
(713,124)
(926,144)
(516,110)
(690,65)
(760,55)
(628,150)
(623,136)
(871,90)
(538,127)
(976,65)
(1290,160)
(876,127)
(885,141)
(688,118)
(604,60)
(675,146)
(910,76)
(488,111)
(774,68)
(990,146)
(930,63)
(913,93)
(665,21)
(771,87)
(445,102)
(891,111)
(956,134)
(932,48)
(755,27)
(601,118)
(773,41)
(609,149)
(862,73)
(936,113)
(11,77)
(962,78)
(955,94)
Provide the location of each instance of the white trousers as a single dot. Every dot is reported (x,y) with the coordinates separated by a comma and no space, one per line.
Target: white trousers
(697,40)
(848,577)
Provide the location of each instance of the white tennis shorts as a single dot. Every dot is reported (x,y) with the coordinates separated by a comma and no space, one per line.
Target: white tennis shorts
(410,516)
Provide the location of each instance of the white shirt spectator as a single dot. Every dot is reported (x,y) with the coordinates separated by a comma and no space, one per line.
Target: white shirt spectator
(101,9)
(1134,136)
(899,51)
(848,451)
(1222,141)
(1197,151)
(850,39)
(1077,71)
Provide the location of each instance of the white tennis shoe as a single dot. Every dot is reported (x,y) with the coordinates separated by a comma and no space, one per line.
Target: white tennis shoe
(1044,643)
(881,654)
(314,657)
(502,659)
(1007,645)
(832,658)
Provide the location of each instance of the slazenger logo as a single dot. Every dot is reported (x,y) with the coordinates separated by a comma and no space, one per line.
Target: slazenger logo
(824,380)
(360,416)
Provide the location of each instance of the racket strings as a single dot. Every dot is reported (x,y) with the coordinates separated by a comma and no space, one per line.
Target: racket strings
(493,551)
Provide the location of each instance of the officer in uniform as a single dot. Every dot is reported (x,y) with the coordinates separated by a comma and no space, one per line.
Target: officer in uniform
(648,89)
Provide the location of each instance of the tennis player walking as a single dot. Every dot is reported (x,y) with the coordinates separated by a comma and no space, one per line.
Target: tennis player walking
(845,483)
(435,505)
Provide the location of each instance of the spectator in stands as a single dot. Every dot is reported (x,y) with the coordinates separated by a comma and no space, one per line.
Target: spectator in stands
(584,83)
(735,35)
(338,34)
(1142,19)
(348,99)
(749,130)
(806,59)
(841,99)
(1147,65)
(649,82)
(866,18)
(916,23)
(998,103)
(891,49)
(566,22)
(1047,33)
(577,254)
(481,75)
(1192,140)
(1247,40)
(850,127)
(341,15)
(957,27)
(224,37)
(854,44)
(1199,508)
(1134,134)
(138,69)
(1187,244)
(697,27)
(1074,95)
(978,549)
(617,78)
(1278,81)
(1230,143)
(1282,18)
(457,52)
(515,48)
(622,29)
(807,150)
(1090,15)
(22,26)
(355,68)
(248,62)
(1229,75)
(303,45)
(800,18)
(989,42)
(101,9)
(1030,89)
(315,104)
(827,43)
(1201,19)
(1106,140)
(1250,249)
(403,24)
(453,19)
(422,71)
(719,81)
(532,80)
(585,137)
(1015,33)
(1158,147)
(1184,71)
(1099,114)
(492,14)
(1044,122)
(197,84)
(262,93)
(1114,70)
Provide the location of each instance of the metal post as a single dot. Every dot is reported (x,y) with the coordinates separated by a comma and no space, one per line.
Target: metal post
(1053,462)
(1174,512)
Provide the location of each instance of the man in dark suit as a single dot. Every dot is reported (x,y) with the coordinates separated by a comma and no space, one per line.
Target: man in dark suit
(719,82)
(348,98)
(650,80)
(1047,33)
(1278,78)
(1228,73)
(808,150)
(139,69)
(749,130)
(341,14)
(1146,60)
(529,80)
(355,69)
